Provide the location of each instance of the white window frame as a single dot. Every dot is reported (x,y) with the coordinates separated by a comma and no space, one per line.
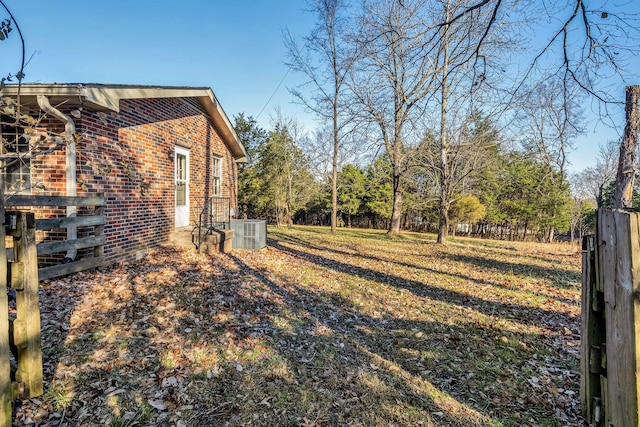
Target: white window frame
(182,212)
(19,180)
(216,176)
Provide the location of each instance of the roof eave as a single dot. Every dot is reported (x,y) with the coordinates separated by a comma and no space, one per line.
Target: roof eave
(108,97)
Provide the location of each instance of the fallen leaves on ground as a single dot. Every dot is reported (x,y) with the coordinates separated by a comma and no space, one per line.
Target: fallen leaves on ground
(354,329)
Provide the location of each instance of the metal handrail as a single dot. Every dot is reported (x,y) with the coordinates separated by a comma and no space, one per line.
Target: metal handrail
(215,215)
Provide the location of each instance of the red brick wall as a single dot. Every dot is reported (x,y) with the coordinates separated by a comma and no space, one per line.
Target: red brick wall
(128,157)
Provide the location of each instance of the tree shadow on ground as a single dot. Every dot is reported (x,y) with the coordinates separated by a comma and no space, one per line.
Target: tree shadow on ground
(524,314)
(207,350)
(472,366)
(242,339)
(560,277)
(356,252)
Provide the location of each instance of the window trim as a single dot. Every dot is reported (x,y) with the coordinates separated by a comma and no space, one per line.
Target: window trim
(23,167)
(216,176)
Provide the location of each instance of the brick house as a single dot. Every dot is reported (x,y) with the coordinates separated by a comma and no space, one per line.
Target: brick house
(155,153)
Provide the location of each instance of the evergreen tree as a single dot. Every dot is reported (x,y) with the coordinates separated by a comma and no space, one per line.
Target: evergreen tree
(351,190)
(287,184)
(250,184)
(379,199)
(531,198)
(468,210)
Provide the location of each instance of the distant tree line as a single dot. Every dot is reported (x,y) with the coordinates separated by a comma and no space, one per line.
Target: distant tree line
(515,195)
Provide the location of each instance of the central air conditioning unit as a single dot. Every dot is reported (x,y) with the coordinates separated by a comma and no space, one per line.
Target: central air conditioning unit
(249,234)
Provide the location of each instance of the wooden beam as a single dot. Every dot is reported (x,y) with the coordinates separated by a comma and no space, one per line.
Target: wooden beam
(620,258)
(25,200)
(65,245)
(72,267)
(77,221)
(593,326)
(98,231)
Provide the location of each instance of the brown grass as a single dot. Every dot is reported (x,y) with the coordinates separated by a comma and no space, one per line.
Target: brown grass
(359,329)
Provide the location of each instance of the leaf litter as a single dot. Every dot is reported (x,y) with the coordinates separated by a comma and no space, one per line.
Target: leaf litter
(355,329)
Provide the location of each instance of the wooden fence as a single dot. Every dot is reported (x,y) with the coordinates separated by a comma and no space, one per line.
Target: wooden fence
(6,388)
(96,241)
(20,376)
(20,343)
(610,350)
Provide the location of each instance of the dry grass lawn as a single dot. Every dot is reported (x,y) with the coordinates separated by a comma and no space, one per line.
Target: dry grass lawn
(360,329)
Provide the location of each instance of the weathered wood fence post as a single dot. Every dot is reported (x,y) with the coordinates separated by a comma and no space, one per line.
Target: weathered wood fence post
(610,346)
(19,336)
(26,326)
(593,333)
(6,391)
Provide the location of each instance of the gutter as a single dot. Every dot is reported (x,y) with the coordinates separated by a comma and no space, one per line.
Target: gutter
(69,130)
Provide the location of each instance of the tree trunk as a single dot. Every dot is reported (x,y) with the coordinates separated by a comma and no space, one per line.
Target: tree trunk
(572,232)
(287,215)
(443,226)
(396,213)
(334,196)
(334,165)
(289,212)
(623,198)
(599,197)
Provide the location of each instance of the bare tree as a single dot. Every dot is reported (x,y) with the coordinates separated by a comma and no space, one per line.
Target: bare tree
(594,41)
(394,75)
(590,43)
(583,43)
(325,59)
(320,157)
(578,219)
(465,51)
(284,167)
(591,182)
(469,150)
(551,118)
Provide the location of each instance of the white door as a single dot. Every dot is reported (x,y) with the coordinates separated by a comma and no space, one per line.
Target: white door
(182,187)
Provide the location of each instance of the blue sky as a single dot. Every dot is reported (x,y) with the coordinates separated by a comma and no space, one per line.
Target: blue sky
(234,47)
